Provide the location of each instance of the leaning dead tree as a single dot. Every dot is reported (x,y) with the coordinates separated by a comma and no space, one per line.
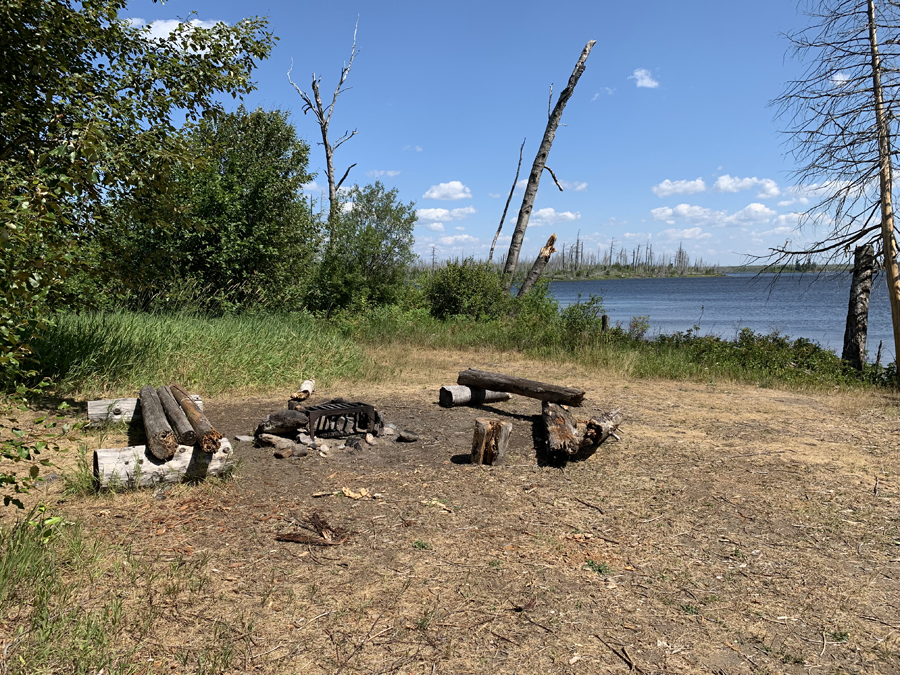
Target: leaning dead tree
(323,117)
(540,162)
(839,116)
(508,200)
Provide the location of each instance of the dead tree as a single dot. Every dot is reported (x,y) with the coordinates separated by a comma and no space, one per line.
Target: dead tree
(323,117)
(538,267)
(508,200)
(540,161)
(854,352)
(839,114)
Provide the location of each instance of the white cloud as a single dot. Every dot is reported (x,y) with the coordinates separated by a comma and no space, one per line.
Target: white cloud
(376,174)
(494,195)
(575,187)
(609,91)
(459,228)
(417,148)
(457,239)
(435,227)
(690,233)
(643,78)
(752,213)
(550,216)
(679,187)
(595,97)
(445,214)
(637,235)
(163,28)
(312,186)
(448,191)
(839,79)
(767,187)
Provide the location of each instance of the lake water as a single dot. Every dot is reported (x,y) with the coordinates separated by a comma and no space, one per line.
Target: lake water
(797,305)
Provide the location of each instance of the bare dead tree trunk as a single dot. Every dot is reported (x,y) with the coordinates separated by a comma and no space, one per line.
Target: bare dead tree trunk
(538,267)
(534,179)
(889,243)
(854,351)
(323,117)
(508,200)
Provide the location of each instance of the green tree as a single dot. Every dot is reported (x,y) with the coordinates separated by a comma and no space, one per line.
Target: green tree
(369,250)
(249,237)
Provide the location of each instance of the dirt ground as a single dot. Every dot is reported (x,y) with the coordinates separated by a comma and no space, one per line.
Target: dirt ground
(732,530)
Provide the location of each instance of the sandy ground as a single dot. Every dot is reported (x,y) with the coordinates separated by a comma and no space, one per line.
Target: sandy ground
(733,529)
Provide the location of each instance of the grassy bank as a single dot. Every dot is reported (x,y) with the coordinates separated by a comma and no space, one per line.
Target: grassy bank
(97,354)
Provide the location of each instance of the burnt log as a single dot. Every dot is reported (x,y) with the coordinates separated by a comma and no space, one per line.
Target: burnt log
(517,385)
(574,438)
(177,418)
(207,437)
(490,441)
(161,440)
(135,466)
(454,395)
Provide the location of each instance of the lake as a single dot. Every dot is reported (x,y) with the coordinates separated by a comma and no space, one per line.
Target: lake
(797,305)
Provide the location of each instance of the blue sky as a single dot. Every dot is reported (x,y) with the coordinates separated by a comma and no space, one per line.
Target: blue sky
(669,139)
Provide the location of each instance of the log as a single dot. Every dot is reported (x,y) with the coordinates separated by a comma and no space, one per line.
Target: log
(134,466)
(161,440)
(207,436)
(454,395)
(490,441)
(114,410)
(571,437)
(518,385)
(856,331)
(307,387)
(177,418)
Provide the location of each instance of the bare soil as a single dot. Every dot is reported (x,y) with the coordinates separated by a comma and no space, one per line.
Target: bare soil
(732,530)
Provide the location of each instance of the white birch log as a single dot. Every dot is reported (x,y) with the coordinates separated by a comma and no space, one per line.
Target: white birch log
(112,410)
(135,466)
(456,394)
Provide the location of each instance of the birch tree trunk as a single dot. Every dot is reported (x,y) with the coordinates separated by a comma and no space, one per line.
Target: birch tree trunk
(855,333)
(534,179)
(888,242)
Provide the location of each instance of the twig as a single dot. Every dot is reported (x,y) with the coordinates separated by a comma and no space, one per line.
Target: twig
(875,491)
(622,655)
(508,200)
(539,625)
(554,177)
(588,504)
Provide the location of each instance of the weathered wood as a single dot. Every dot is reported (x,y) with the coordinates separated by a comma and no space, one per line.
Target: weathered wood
(307,387)
(177,418)
(161,440)
(538,267)
(490,441)
(518,385)
(454,395)
(571,437)
(854,352)
(134,466)
(114,410)
(207,436)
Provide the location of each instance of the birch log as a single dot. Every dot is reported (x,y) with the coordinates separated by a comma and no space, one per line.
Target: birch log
(490,441)
(570,437)
(455,395)
(114,410)
(135,467)
(177,418)
(161,440)
(207,436)
(519,385)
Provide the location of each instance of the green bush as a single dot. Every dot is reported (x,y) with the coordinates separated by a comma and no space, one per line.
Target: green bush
(467,288)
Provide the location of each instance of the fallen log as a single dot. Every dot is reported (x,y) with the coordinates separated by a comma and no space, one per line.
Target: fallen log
(177,418)
(307,387)
(161,440)
(517,385)
(454,395)
(490,441)
(207,436)
(114,410)
(571,437)
(134,466)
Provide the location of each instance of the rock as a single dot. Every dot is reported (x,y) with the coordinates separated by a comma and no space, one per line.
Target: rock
(371,440)
(322,453)
(282,422)
(325,449)
(389,430)
(244,439)
(355,442)
(304,438)
(282,453)
(300,452)
(407,437)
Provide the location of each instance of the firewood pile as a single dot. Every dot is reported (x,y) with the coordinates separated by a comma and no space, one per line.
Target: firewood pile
(566,436)
(181,443)
(337,424)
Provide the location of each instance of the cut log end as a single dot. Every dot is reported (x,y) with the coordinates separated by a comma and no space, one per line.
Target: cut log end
(574,438)
(490,442)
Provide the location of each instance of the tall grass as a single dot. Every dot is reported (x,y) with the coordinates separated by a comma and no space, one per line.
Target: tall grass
(117,353)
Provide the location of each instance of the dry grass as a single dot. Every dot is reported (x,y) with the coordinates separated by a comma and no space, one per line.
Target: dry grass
(732,530)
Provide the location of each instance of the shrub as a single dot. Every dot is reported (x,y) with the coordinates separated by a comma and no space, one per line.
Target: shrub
(467,288)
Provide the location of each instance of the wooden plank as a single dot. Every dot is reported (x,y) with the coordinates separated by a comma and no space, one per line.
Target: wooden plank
(161,440)
(114,410)
(518,385)
(135,466)
(177,418)
(455,395)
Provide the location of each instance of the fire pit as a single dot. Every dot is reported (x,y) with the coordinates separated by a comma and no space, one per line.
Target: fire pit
(328,416)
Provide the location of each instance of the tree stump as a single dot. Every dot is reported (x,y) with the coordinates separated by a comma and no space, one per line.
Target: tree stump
(490,441)
(161,440)
(455,394)
(570,437)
